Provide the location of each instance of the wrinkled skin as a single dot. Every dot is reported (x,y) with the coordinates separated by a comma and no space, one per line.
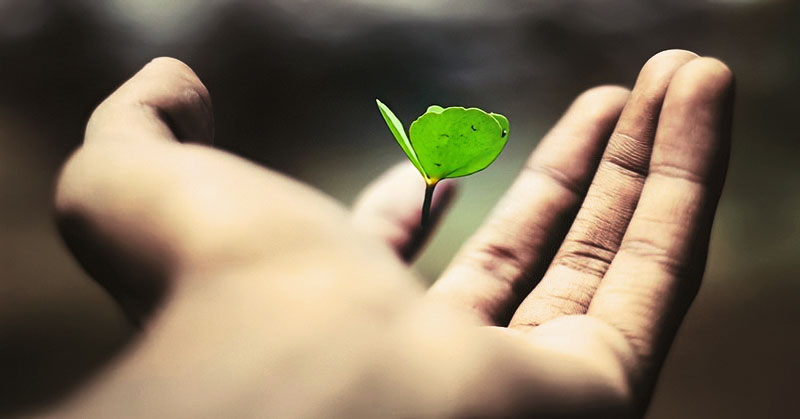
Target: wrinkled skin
(260,297)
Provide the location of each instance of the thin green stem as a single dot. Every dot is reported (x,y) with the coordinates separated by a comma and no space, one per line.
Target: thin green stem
(426,205)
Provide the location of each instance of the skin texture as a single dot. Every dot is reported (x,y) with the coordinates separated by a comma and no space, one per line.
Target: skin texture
(259,296)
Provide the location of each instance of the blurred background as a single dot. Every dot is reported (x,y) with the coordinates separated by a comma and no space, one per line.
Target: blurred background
(294,84)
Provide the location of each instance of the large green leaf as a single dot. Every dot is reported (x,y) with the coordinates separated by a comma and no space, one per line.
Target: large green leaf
(456,141)
(396,127)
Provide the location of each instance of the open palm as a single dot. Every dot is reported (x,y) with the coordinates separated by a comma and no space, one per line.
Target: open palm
(259,296)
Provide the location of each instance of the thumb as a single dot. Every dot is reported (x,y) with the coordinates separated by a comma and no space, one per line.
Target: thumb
(164,100)
(109,197)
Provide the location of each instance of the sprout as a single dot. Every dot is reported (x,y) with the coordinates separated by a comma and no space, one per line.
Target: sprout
(449,142)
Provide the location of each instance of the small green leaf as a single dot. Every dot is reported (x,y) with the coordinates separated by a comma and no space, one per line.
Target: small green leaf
(449,142)
(396,127)
(456,142)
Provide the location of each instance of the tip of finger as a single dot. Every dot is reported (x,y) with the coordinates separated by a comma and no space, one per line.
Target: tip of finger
(172,74)
(671,56)
(660,68)
(601,103)
(704,78)
(603,98)
(169,64)
(602,95)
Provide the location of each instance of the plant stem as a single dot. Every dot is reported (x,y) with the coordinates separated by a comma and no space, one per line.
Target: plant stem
(426,205)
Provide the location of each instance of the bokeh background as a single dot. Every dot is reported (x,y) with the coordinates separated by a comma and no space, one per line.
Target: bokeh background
(293,84)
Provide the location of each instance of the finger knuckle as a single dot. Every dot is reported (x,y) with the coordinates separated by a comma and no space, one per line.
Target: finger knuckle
(627,155)
(501,262)
(586,255)
(575,300)
(648,249)
(558,176)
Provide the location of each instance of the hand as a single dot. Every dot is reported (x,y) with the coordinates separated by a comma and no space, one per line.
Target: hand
(258,296)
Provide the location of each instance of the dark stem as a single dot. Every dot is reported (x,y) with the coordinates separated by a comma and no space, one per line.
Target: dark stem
(426,205)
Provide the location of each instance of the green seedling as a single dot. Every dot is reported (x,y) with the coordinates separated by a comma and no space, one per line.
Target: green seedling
(448,142)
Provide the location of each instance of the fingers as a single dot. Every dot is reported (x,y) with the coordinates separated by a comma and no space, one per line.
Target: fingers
(594,237)
(164,100)
(499,265)
(658,268)
(390,209)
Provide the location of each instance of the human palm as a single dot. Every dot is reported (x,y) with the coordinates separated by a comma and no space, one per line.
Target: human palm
(258,296)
